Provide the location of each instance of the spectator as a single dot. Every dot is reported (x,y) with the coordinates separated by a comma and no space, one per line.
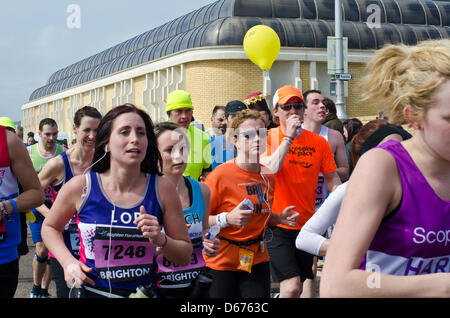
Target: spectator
(351,128)
(30,138)
(332,121)
(218,122)
(257,101)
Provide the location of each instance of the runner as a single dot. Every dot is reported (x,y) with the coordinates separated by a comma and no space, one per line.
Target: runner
(61,169)
(396,246)
(241,267)
(40,153)
(314,118)
(304,154)
(185,281)
(15,168)
(120,206)
(311,239)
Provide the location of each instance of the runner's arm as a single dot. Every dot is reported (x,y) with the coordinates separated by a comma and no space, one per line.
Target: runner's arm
(32,195)
(178,248)
(62,210)
(310,238)
(340,156)
(50,174)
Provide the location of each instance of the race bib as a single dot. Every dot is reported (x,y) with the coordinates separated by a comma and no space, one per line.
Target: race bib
(321,191)
(3,230)
(197,261)
(74,239)
(122,253)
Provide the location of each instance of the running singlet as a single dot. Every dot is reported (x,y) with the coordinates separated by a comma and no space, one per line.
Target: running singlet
(321,190)
(172,275)
(39,162)
(415,238)
(110,242)
(10,235)
(70,234)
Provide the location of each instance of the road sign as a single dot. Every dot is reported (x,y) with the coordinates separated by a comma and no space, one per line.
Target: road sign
(331,54)
(343,76)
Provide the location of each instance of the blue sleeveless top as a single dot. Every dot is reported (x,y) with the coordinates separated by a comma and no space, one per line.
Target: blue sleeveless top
(174,276)
(110,242)
(68,172)
(70,234)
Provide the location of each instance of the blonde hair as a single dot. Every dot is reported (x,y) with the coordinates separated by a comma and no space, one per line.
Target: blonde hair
(400,75)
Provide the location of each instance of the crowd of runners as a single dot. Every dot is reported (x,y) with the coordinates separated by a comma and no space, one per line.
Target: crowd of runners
(168,210)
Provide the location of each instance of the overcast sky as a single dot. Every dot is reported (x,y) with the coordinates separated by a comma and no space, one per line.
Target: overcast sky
(39,37)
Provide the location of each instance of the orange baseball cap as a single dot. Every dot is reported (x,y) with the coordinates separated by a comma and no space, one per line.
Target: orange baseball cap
(284,93)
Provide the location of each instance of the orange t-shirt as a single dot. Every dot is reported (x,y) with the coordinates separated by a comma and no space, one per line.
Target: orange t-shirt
(229,185)
(296,181)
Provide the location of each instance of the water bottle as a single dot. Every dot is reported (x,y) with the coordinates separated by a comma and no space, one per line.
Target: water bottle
(213,231)
(247,205)
(144,292)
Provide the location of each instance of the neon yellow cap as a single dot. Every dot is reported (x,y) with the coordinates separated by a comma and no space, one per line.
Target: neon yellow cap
(178,99)
(7,122)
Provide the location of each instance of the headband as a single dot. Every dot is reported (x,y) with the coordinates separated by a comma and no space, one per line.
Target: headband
(382,133)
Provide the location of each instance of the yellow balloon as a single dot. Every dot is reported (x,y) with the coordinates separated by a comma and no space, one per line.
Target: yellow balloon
(262,46)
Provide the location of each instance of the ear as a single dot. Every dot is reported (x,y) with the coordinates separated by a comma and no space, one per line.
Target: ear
(412,117)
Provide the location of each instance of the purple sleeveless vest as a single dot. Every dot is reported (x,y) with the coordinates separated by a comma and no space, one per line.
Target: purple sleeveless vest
(415,239)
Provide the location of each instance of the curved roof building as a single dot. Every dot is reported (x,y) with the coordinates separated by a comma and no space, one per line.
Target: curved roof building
(202,52)
(298,23)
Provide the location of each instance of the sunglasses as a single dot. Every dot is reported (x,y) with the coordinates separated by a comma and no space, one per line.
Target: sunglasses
(287,107)
(251,134)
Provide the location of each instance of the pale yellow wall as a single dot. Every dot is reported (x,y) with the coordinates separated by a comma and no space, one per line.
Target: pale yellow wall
(305,75)
(354,106)
(218,82)
(109,94)
(139,87)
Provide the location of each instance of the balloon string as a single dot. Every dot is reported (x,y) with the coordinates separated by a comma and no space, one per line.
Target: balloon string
(271,80)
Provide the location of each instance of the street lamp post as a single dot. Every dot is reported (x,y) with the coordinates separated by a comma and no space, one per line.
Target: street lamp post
(340,92)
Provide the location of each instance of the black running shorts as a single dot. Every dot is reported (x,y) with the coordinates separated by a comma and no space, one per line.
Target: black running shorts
(286,261)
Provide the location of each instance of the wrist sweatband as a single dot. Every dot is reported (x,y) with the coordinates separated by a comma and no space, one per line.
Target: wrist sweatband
(14,204)
(221,219)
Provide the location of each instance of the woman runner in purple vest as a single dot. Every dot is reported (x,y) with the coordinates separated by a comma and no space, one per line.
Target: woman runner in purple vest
(392,236)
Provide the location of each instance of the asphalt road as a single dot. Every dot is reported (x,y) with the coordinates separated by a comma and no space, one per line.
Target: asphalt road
(26,273)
